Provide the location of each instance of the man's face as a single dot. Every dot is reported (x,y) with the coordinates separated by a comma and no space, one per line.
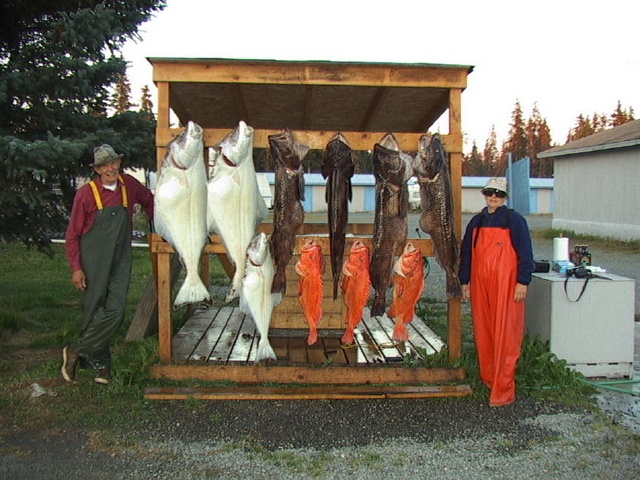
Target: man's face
(108,172)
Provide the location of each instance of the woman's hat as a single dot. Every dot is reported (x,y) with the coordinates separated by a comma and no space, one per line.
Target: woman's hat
(499,183)
(104,154)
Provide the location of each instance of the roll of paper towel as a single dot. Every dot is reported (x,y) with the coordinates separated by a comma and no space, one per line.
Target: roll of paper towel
(560,249)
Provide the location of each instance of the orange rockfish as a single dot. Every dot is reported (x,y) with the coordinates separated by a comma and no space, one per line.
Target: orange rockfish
(408,283)
(310,267)
(356,287)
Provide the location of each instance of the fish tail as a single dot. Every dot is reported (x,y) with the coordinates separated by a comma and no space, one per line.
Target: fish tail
(347,338)
(336,280)
(265,350)
(453,285)
(400,333)
(191,291)
(279,284)
(377,309)
(313,336)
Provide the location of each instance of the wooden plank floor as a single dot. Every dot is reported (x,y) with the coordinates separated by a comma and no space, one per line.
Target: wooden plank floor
(226,336)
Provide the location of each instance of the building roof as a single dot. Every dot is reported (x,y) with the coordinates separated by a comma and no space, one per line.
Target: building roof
(622,136)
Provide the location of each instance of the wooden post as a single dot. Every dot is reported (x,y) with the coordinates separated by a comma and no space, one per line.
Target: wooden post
(454,342)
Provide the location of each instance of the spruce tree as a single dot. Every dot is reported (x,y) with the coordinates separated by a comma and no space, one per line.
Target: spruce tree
(58,61)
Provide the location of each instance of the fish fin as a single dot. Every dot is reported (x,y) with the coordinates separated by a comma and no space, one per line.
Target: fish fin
(400,332)
(191,291)
(277,298)
(377,309)
(265,351)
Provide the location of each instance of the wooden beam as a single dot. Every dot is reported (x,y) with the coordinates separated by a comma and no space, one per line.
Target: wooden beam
(257,374)
(307,393)
(362,141)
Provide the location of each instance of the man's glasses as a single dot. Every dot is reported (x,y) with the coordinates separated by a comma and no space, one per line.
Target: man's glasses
(488,192)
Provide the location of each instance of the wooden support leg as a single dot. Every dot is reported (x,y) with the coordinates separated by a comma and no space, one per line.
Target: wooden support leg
(164,307)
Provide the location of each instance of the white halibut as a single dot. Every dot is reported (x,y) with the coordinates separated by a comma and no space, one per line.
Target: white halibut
(180,214)
(235,205)
(256,298)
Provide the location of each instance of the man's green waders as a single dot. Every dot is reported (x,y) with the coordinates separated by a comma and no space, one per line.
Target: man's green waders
(105,253)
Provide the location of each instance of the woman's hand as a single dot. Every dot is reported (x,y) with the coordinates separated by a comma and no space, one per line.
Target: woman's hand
(520,293)
(466,293)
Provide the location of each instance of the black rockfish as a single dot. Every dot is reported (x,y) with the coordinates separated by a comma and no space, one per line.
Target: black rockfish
(391,169)
(337,169)
(436,201)
(288,213)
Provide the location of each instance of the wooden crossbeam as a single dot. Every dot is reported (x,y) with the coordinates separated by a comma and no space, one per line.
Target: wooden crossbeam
(307,393)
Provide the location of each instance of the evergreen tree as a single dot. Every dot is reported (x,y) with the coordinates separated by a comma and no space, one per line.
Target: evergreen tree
(58,60)
(146,105)
(121,100)
(490,154)
(539,140)
(473,164)
(621,116)
(517,142)
(583,128)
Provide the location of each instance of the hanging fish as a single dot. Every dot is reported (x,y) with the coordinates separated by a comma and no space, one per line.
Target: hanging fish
(436,201)
(408,284)
(311,267)
(391,169)
(256,298)
(356,287)
(181,208)
(235,206)
(288,213)
(337,168)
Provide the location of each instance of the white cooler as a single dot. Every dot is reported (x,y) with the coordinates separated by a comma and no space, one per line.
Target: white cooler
(595,334)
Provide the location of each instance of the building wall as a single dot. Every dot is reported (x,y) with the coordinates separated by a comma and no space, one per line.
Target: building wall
(597,193)
(363,193)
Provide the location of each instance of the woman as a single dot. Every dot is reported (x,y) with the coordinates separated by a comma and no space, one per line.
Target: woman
(495,269)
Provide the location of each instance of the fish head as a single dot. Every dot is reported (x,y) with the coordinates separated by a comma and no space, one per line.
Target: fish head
(411,258)
(186,148)
(237,146)
(287,151)
(430,156)
(311,253)
(258,250)
(389,165)
(360,253)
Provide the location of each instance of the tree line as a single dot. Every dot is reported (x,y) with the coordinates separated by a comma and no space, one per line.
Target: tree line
(527,138)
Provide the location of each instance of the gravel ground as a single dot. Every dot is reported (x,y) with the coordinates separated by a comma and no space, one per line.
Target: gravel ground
(447,438)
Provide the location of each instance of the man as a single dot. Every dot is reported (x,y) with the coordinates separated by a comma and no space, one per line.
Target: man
(496,264)
(98,247)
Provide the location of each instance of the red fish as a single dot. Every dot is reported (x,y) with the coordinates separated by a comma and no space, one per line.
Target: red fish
(408,283)
(311,267)
(356,287)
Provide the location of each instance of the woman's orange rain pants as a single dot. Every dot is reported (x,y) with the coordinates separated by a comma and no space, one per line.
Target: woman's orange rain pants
(498,320)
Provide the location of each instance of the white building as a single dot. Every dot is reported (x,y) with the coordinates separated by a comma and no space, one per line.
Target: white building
(596,183)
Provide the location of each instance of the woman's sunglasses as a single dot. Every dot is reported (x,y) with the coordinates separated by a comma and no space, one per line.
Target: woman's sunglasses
(488,192)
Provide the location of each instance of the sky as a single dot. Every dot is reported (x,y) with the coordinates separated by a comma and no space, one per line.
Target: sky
(567,57)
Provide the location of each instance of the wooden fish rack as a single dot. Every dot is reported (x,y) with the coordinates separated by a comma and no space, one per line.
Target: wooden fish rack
(219,343)
(315,100)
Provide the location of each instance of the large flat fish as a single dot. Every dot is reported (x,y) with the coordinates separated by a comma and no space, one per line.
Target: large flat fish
(356,287)
(408,284)
(310,267)
(181,208)
(436,202)
(288,213)
(337,168)
(235,206)
(391,169)
(256,298)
